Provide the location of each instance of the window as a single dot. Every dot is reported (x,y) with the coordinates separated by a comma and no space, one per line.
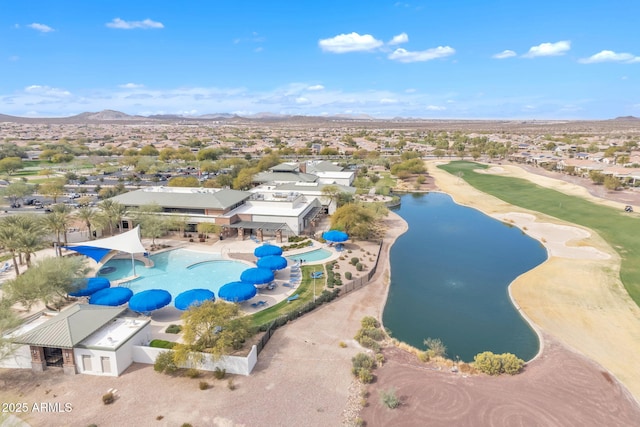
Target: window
(106,364)
(86,362)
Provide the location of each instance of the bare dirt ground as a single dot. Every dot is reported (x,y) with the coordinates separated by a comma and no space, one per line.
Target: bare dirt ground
(560,388)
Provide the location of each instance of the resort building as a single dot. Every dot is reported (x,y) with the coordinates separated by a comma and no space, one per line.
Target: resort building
(237,212)
(286,201)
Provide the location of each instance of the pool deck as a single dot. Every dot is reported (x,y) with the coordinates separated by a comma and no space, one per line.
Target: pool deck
(236,250)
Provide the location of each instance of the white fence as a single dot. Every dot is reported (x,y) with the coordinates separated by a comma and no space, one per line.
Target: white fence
(231,364)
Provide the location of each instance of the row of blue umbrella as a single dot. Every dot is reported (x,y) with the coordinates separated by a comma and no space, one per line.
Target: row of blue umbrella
(100,291)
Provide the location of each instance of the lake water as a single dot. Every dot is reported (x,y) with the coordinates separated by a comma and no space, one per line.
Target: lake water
(449,277)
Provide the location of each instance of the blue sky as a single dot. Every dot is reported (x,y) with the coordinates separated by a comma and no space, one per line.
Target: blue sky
(490,59)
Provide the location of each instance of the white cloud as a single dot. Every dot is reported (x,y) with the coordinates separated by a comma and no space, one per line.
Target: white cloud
(301,100)
(388,101)
(315,87)
(131,86)
(610,56)
(435,108)
(40,27)
(352,42)
(504,54)
(121,24)
(47,91)
(403,55)
(399,39)
(549,49)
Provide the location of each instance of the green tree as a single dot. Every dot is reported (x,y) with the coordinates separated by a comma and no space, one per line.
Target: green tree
(214,327)
(8,321)
(49,280)
(152,225)
(9,165)
(488,363)
(597,177)
(53,188)
(356,220)
(16,191)
(183,181)
(149,150)
(611,182)
(244,179)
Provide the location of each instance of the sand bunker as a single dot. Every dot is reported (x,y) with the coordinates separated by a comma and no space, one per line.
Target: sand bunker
(560,240)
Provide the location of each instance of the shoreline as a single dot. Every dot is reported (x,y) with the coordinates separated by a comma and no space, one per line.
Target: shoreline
(575,295)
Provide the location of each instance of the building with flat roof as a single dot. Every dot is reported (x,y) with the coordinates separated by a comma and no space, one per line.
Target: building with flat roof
(90,339)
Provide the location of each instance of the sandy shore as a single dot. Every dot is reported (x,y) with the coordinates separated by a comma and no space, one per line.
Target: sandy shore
(575,296)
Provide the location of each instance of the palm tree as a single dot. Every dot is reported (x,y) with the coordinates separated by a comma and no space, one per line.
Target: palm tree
(57,222)
(30,236)
(112,213)
(9,238)
(89,216)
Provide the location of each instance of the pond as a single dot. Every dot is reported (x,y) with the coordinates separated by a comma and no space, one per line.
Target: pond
(450,274)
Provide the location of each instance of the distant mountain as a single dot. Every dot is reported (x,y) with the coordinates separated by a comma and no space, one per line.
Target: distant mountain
(627,118)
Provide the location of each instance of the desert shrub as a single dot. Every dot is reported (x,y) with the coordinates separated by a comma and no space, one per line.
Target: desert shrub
(358,422)
(165,363)
(370,343)
(186,425)
(369,322)
(354,260)
(359,267)
(348,275)
(365,376)
(511,364)
(424,357)
(231,385)
(108,398)
(173,329)
(435,347)
(496,364)
(161,344)
(203,385)
(362,360)
(488,363)
(342,344)
(192,373)
(464,368)
(380,359)
(389,398)
(219,374)
(159,417)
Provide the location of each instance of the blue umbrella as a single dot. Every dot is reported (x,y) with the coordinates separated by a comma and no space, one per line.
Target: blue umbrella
(149,300)
(272,262)
(237,291)
(193,297)
(90,286)
(266,250)
(111,296)
(335,236)
(257,276)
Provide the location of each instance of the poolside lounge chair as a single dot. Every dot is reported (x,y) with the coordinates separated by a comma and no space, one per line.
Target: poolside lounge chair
(293,297)
(5,267)
(271,286)
(258,304)
(317,274)
(289,285)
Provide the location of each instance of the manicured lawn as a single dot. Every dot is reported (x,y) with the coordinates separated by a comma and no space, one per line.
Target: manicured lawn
(620,229)
(305,290)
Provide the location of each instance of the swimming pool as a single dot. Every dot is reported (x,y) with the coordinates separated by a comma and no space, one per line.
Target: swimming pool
(311,256)
(176,271)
